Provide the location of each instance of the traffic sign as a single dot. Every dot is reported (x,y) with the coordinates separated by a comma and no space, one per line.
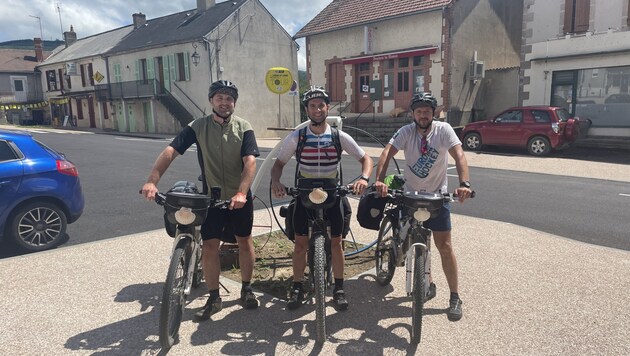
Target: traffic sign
(279,80)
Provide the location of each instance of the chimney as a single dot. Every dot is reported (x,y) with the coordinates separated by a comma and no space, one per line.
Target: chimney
(70,37)
(139,20)
(39,51)
(203,5)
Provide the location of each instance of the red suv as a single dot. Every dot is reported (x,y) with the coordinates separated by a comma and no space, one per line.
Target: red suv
(540,129)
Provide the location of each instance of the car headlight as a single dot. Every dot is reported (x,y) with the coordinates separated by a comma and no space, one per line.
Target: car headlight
(422,214)
(317,196)
(185,216)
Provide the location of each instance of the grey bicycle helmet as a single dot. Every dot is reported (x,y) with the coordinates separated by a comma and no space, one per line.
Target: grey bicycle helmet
(419,98)
(224,87)
(315,92)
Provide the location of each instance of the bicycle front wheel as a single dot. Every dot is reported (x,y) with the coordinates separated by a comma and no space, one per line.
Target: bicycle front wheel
(173,298)
(385,263)
(417,303)
(319,264)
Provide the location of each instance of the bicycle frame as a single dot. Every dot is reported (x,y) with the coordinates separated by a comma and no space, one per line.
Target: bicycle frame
(195,240)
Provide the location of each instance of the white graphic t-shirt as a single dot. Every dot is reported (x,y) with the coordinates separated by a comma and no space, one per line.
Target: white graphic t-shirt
(426,172)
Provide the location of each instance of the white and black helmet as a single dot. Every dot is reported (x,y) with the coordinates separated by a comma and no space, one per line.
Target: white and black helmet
(315,92)
(224,87)
(426,98)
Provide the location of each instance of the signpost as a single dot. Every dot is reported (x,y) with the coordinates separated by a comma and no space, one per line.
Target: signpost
(279,80)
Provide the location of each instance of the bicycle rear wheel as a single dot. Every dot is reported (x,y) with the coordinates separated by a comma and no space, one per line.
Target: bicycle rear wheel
(385,263)
(417,303)
(173,298)
(319,264)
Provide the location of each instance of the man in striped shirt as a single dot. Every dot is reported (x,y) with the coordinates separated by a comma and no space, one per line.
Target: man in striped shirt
(318,159)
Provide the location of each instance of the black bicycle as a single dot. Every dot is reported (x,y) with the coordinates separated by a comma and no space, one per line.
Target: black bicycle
(185,210)
(403,241)
(319,194)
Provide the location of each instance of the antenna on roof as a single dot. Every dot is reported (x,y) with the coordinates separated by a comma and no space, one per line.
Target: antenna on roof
(58,5)
(41,33)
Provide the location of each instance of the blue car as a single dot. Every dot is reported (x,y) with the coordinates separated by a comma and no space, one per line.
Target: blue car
(40,193)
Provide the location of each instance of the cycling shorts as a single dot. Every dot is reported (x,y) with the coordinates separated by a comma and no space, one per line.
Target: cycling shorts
(223,224)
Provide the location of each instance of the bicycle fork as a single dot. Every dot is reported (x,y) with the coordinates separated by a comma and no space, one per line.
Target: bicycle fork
(192,261)
(418,249)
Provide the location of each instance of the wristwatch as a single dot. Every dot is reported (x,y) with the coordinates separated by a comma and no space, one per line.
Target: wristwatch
(367,179)
(465,184)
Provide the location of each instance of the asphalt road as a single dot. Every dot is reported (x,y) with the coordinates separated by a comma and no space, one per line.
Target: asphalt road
(112,169)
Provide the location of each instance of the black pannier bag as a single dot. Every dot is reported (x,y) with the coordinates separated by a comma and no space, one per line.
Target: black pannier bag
(287,213)
(370,210)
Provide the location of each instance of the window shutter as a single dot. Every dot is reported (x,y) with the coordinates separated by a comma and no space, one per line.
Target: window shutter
(137,69)
(568,16)
(150,69)
(582,14)
(187,65)
(172,66)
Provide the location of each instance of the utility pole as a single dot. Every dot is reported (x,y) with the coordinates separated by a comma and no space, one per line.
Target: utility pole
(60,25)
(41,33)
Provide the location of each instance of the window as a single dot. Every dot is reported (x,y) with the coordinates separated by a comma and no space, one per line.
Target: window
(182,66)
(417,61)
(90,74)
(576,15)
(82,68)
(364,67)
(389,64)
(541,116)
(6,153)
(60,79)
(51,80)
(403,62)
(511,117)
(403,81)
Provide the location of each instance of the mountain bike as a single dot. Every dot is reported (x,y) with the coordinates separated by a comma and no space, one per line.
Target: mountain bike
(319,194)
(185,211)
(403,241)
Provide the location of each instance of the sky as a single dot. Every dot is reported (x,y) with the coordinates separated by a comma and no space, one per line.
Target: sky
(20,19)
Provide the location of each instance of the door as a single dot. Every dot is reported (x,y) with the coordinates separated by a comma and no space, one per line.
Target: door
(505,129)
(10,174)
(131,118)
(91,112)
(363,101)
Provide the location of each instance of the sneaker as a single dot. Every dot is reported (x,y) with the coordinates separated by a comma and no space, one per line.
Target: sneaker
(454,310)
(248,299)
(339,298)
(212,307)
(432,292)
(296,298)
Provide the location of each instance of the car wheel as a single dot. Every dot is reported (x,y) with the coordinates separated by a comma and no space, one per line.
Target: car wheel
(539,146)
(472,141)
(38,226)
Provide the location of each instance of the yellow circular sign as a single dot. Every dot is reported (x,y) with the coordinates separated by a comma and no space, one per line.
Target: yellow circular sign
(279,80)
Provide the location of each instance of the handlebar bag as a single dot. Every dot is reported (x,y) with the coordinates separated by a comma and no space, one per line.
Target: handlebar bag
(370,210)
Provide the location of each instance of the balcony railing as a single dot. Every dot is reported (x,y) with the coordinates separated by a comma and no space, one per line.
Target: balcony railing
(127,90)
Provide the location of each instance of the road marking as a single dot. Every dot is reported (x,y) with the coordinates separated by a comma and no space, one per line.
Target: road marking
(624,195)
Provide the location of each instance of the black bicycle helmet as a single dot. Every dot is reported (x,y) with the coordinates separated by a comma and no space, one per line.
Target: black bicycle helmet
(422,98)
(224,87)
(314,93)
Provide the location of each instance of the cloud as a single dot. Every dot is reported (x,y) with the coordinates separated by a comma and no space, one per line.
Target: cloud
(96,16)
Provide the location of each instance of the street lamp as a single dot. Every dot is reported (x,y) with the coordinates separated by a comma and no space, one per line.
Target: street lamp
(195,56)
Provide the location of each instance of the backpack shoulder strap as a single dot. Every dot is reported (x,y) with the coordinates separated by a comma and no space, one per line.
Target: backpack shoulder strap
(337,142)
(298,151)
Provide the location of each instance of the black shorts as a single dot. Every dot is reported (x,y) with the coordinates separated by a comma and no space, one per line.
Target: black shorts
(223,224)
(334,216)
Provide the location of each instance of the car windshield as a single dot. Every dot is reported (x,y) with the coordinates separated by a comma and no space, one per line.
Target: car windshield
(563,115)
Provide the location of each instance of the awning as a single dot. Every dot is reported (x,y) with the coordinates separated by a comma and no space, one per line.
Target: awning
(392,55)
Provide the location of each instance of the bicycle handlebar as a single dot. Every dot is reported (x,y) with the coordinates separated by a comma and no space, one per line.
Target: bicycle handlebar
(342,190)
(160,199)
(448,197)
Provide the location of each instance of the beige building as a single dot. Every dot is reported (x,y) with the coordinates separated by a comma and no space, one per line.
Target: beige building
(154,75)
(576,54)
(373,59)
